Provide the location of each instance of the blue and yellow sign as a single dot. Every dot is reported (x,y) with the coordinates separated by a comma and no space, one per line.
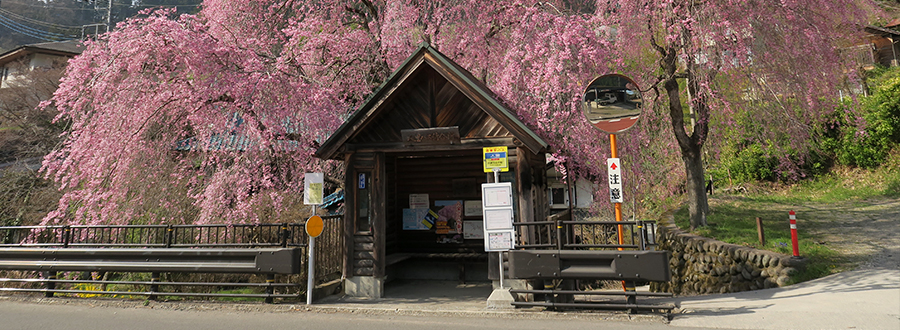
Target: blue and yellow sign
(495,157)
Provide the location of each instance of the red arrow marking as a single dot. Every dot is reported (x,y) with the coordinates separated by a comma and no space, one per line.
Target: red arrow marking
(613,166)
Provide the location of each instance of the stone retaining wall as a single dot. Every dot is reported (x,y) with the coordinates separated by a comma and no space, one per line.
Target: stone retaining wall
(703,265)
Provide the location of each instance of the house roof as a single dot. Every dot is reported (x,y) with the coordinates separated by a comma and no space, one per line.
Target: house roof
(884,31)
(68,48)
(473,106)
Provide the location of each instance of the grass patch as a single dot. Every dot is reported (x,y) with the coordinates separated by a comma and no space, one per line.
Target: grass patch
(239,291)
(732,218)
(734,222)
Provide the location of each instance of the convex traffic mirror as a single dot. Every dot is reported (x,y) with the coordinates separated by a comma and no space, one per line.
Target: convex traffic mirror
(612,103)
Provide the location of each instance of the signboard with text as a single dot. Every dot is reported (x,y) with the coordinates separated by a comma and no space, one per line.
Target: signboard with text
(313,188)
(497,212)
(495,157)
(614,170)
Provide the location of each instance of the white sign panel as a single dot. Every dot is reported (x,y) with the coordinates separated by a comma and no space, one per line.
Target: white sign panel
(498,219)
(313,188)
(614,170)
(499,241)
(497,194)
(473,230)
(497,212)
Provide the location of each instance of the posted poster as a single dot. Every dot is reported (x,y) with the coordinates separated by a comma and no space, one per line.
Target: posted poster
(473,208)
(412,219)
(498,219)
(418,201)
(450,214)
(498,195)
(430,218)
(473,230)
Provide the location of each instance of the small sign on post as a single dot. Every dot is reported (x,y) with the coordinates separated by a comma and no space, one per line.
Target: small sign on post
(614,169)
(495,157)
(314,226)
(313,188)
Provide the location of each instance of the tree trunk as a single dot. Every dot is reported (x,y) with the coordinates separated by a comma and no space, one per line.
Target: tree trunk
(690,146)
(698,205)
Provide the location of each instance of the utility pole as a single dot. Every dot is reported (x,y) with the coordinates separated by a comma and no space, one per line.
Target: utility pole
(109,15)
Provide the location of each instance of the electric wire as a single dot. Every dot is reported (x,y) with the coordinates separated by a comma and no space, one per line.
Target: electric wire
(21,28)
(11,20)
(31,29)
(34,21)
(31,32)
(4,24)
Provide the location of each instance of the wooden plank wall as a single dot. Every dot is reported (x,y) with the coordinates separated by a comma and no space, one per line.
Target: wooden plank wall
(454,175)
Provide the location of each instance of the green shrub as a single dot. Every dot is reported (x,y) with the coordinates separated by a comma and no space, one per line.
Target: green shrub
(864,139)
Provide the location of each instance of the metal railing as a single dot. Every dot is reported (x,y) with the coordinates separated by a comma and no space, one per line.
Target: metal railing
(565,251)
(329,249)
(569,234)
(161,236)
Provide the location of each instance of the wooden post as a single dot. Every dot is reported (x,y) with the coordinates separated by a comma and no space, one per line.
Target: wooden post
(762,234)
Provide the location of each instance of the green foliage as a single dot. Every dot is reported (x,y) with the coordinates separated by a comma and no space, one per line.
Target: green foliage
(864,139)
(733,217)
(753,161)
(749,163)
(860,134)
(25,198)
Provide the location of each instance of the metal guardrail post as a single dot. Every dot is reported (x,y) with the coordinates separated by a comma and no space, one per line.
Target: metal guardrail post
(284,234)
(559,238)
(641,234)
(51,285)
(270,290)
(170,232)
(154,277)
(67,235)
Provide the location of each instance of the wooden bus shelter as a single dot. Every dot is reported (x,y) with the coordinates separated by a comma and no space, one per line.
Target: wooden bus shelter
(417,143)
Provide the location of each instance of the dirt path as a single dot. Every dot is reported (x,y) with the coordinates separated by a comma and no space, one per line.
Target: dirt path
(867,233)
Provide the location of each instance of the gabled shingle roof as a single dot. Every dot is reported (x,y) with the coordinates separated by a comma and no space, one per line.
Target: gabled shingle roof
(465,82)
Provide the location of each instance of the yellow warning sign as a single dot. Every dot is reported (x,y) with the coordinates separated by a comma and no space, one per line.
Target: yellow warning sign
(495,157)
(315,226)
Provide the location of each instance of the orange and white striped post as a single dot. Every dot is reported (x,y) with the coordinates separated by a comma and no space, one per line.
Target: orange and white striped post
(793,218)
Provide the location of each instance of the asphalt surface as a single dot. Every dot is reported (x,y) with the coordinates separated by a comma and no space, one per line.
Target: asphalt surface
(861,299)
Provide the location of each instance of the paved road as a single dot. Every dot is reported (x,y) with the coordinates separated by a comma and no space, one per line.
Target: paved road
(862,299)
(25,316)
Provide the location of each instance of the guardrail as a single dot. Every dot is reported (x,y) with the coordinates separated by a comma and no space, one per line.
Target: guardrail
(153,260)
(264,249)
(565,251)
(568,234)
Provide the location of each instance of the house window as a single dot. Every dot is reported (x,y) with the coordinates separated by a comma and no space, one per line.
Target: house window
(559,196)
(364,202)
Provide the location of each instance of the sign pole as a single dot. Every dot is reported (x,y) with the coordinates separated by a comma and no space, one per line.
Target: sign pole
(499,253)
(626,286)
(313,191)
(311,271)
(497,212)
(618,206)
